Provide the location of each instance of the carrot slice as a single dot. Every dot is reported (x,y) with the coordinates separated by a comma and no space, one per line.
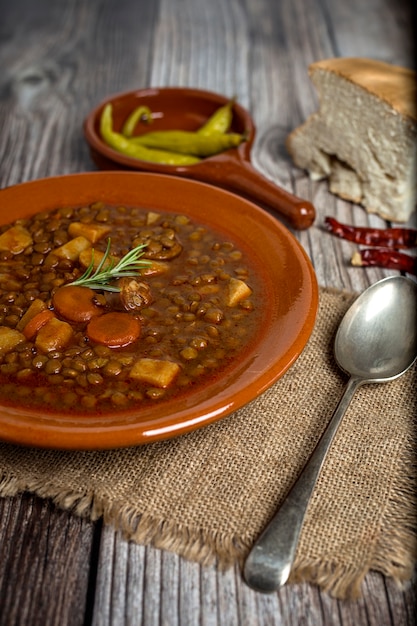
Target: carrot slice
(76,304)
(114,330)
(40,319)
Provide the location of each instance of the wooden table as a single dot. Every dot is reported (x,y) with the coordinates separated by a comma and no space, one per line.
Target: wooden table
(58,60)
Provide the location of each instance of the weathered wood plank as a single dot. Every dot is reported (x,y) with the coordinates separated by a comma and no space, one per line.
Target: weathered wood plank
(205,596)
(44,563)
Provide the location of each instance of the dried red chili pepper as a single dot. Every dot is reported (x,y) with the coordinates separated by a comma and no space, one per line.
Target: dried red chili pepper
(386,237)
(384,257)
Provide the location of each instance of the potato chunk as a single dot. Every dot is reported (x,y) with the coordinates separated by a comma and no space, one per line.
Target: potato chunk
(15,239)
(93,232)
(155,268)
(156,372)
(72,249)
(55,335)
(9,339)
(152,217)
(37,306)
(238,290)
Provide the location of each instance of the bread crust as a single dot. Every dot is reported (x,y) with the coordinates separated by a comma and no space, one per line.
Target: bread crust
(395,85)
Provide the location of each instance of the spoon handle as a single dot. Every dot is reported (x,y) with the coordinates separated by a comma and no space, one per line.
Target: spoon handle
(269,563)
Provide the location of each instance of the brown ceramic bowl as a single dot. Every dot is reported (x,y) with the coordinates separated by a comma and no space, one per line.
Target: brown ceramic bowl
(188,109)
(288,309)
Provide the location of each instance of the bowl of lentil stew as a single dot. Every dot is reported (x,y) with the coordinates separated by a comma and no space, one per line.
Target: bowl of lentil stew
(222,306)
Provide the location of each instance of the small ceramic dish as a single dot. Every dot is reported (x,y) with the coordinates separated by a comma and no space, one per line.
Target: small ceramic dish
(188,109)
(287,312)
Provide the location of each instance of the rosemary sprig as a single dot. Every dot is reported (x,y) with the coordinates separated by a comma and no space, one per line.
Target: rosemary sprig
(128,266)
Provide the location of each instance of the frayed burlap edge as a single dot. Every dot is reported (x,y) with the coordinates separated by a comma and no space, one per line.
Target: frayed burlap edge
(396,550)
(193,544)
(394,555)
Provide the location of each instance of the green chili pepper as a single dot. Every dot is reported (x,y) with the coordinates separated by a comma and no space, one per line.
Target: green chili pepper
(126,146)
(220,121)
(142,113)
(188,142)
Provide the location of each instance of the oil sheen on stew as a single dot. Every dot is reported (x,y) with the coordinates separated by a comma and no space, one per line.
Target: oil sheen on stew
(177,323)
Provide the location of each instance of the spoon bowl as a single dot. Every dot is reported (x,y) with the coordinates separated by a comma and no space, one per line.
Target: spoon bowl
(188,109)
(377,338)
(376,342)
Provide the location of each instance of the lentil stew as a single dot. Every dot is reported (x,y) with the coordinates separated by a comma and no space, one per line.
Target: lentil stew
(175,323)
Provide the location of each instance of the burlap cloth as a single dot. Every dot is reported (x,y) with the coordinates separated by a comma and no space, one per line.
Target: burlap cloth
(208,494)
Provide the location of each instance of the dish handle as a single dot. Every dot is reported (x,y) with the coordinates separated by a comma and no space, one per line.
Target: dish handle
(239,175)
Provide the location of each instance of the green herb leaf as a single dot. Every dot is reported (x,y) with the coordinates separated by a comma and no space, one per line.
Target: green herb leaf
(129,266)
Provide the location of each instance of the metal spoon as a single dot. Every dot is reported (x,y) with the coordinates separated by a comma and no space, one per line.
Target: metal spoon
(376,342)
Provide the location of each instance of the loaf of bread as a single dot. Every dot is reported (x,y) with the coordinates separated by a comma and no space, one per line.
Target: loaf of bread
(363,138)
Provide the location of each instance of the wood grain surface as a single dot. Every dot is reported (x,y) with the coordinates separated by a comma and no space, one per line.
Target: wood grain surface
(58,60)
